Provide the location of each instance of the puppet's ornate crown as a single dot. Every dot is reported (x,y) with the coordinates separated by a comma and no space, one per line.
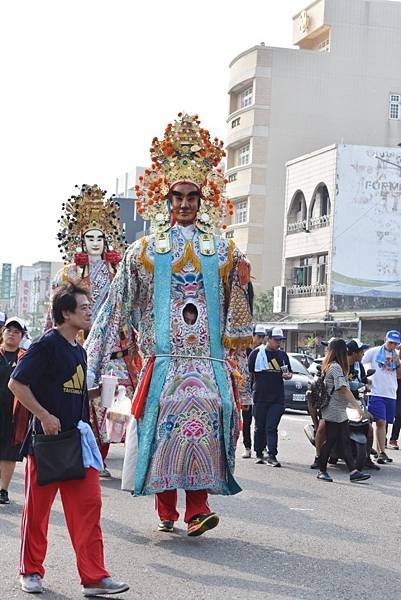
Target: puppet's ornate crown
(89,210)
(188,154)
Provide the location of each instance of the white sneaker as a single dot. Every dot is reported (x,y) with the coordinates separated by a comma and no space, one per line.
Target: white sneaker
(104,587)
(31,583)
(247,453)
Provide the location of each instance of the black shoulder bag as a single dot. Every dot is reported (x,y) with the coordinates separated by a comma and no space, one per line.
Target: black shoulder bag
(59,457)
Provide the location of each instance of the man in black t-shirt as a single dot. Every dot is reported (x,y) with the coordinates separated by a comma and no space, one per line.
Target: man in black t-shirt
(50,381)
(357,376)
(270,366)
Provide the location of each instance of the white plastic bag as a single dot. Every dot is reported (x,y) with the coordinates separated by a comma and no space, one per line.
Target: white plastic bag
(118,415)
(131,448)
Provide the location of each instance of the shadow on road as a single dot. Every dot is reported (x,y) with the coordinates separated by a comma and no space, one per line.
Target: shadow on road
(268,569)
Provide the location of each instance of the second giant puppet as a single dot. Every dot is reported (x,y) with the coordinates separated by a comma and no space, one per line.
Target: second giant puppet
(189,286)
(92,243)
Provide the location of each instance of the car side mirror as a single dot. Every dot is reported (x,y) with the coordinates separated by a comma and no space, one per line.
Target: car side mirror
(370,372)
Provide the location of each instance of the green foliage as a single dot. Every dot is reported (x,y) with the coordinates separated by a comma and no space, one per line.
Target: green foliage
(310,341)
(263,307)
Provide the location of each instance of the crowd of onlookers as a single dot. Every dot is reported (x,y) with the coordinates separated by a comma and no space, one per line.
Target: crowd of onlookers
(344,371)
(348,367)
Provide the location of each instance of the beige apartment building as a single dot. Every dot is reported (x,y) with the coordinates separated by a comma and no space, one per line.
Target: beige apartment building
(341,267)
(342,84)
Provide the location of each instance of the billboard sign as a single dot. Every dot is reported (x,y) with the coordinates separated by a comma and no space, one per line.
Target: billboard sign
(366,256)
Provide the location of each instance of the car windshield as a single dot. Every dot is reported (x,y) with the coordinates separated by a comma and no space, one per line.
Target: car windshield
(298,367)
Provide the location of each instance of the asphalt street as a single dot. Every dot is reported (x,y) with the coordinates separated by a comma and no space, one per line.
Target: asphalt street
(285,536)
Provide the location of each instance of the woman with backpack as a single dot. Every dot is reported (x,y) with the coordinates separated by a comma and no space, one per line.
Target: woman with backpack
(338,397)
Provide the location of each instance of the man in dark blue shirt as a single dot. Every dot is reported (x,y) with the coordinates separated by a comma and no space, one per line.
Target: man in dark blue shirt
(50,381)
(270,366)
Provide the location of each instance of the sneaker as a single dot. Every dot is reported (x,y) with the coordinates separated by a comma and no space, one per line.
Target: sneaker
(371,465)
(105,474)
(104,587)
(315,464)
(273,462)
(324,476)
(32,584)
(260,460)
(166,526)
(394,445)
(202,523)
(374,453)
(247,453)
(332,460)
(265,453)
(4,499)
(359,476)
(383,459)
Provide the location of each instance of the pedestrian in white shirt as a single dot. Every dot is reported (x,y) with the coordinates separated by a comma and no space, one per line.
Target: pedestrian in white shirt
(386,361)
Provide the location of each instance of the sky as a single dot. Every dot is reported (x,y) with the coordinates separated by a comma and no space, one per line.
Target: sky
(87,84)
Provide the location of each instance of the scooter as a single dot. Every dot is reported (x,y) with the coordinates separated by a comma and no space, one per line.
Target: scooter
(358,435)
(358,427)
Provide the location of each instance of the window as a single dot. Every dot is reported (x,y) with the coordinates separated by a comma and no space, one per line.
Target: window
(303,273)
(241,212)
(235,122)
(321,275)
(232,177)
(229,235)
(246,97)
(395,106)
(243,154)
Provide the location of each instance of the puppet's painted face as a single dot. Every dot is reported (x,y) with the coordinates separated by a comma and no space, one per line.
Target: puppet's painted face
(185,199)
(94,242)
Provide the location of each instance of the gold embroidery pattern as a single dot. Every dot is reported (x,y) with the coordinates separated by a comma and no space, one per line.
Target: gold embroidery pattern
(226,269)
(188,256)
(143,259)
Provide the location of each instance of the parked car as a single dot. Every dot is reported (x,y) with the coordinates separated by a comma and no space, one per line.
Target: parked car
(303,357)
(313,367)
(295,389)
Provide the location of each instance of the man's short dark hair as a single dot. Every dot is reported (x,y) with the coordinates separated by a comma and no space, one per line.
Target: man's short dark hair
(64,299)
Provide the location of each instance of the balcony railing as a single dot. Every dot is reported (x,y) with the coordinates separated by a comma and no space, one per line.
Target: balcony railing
(296,227)
(298,291)
(307,225)
(317,222)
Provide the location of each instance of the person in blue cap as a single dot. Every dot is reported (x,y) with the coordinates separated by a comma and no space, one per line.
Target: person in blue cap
(386,361)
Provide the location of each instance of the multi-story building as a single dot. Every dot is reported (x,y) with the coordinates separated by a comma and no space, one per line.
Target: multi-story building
(43,275)
(341,267)
(5,287)
(341,85)
(133,224)
(24,277)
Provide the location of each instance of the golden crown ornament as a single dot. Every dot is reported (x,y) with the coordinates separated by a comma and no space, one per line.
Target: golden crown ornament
(89,209)
(186,154)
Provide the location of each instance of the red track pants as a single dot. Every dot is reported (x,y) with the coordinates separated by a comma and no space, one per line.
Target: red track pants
(196,501)
(82,503)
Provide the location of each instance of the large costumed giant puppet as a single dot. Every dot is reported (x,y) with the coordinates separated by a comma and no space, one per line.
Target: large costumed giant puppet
(92,242)
(190,288)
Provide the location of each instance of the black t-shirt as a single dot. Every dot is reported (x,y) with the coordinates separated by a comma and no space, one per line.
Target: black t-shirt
(8,360)
(357,372)
(55,370)
(269,384)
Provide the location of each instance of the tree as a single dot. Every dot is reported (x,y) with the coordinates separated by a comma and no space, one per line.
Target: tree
(263,307)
